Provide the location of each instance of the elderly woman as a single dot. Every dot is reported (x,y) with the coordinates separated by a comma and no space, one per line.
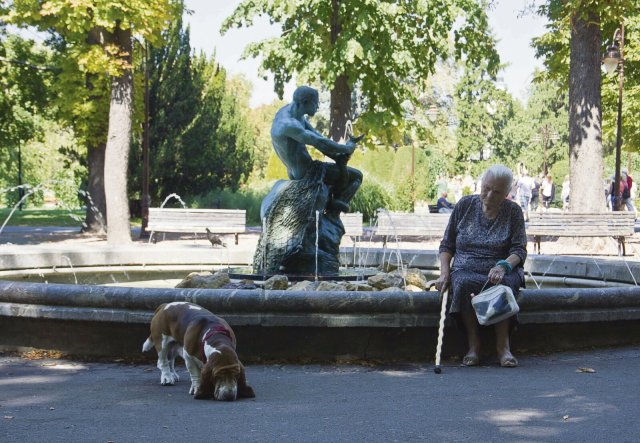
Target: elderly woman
(487,240)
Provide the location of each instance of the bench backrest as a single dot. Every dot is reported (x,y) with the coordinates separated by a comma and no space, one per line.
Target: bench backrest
(409,223)
(188,220)
(570,224)
(352,224)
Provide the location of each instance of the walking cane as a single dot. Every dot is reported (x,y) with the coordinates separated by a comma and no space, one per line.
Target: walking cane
(443,312)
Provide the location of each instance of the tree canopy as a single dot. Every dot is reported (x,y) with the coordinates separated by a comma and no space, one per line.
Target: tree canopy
(199,136)
(98,38)
(377,46)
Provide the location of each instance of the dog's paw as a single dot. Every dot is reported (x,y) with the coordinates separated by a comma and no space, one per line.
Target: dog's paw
(194,388)
(175,375)
(167,380)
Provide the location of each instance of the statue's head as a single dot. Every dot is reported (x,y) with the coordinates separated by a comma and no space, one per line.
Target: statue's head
(307,99)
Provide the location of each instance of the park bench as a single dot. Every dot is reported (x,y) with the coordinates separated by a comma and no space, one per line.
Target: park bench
(219,221)
(568,224)
(352,224)
(410,224)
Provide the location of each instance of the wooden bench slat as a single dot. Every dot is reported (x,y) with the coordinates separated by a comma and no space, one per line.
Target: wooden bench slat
(609,224)
(407,223)
(187,220)
(352,222)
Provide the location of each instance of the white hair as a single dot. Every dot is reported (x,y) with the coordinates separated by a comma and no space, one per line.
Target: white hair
(500,173)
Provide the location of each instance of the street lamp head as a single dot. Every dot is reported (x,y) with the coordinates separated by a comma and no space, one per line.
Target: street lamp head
(611,59)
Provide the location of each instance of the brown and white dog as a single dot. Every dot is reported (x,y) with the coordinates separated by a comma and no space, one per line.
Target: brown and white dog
(207,344)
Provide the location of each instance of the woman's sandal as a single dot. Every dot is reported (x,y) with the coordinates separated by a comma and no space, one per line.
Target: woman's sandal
(471,360)
(509,362)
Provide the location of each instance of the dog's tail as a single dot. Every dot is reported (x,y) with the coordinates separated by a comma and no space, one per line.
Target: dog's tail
(147,345)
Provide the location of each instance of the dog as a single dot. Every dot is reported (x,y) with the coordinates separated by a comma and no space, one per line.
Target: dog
(208,346)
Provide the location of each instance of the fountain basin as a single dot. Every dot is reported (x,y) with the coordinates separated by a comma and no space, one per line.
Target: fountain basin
(113,321)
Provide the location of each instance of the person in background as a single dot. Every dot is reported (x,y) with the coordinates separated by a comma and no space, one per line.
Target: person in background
(628,200)
(535,194)
(607,192)
(617,201)
(548,190)
(525,188)
(485,244)
(513,192)
(566,190)
(444,207)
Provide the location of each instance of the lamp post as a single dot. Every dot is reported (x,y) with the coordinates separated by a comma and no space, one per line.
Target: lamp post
(145,148)
(612,59)
(20,189)
(546,134)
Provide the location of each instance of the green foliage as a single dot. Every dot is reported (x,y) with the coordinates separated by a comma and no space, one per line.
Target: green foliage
(24,100)
(381,47)
(483,113)
(199,136)
(546,113)
(275,170)
(261,119)
(370,197)
(42,217)
(553,47)
(249,199)
(406,195)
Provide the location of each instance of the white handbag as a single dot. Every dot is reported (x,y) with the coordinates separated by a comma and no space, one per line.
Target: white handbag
(495,304)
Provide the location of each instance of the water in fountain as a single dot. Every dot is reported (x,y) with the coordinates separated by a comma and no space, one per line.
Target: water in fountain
(534,280)
(317,237)
(166,200)
(398,252)
(75,278)
(264,251)
(545,272)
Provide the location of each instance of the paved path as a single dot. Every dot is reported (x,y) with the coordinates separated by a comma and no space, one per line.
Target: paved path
(65,237)
(544,400)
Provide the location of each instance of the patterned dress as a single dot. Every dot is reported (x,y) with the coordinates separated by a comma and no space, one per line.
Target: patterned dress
(477,243)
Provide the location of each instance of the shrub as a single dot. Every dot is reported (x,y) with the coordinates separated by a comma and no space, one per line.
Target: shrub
(369,198)
(248,199)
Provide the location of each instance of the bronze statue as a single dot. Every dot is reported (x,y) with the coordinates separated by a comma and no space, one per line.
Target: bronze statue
(291,132)
(315,195)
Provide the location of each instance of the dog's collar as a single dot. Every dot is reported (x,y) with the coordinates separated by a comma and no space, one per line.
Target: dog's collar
(215,330)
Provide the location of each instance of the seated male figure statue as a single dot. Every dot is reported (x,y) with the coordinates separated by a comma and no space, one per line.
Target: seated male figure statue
(291,132)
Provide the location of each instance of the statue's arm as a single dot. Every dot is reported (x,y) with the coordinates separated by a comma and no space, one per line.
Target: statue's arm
(325,145)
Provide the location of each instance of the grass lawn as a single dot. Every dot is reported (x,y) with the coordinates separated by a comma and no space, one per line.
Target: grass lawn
(42,217)
(49,217)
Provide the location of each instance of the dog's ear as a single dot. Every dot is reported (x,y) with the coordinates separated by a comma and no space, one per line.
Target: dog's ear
(244,390)
(207,382)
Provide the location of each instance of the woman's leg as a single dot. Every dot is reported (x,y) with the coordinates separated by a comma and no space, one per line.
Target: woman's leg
(502,344)
(473,336)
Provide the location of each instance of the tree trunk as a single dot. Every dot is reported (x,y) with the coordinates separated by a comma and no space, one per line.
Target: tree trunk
(585,119)
(118,146)
(341,92)
(96,214)
(340,109)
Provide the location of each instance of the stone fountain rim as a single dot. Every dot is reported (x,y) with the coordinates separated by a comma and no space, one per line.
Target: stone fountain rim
(29,310)
(41,258)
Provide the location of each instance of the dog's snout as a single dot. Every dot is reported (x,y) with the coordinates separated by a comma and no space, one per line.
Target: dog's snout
(226,394)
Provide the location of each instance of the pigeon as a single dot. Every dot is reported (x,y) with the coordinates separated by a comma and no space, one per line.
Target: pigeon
(214,239)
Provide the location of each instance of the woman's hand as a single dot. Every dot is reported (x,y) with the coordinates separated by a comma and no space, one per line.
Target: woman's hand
(442,283)
(496,274)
